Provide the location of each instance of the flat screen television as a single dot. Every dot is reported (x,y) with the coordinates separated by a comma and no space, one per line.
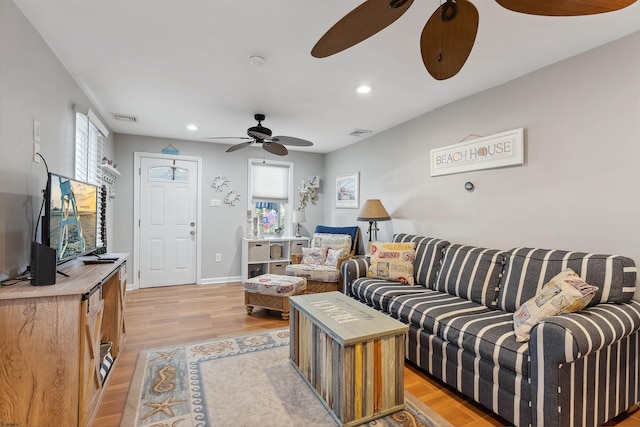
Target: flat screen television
(70,222)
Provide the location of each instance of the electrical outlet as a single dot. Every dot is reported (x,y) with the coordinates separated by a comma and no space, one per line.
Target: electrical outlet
(36,150)
(218,257)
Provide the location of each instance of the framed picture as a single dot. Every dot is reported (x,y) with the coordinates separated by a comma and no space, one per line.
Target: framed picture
(348,190)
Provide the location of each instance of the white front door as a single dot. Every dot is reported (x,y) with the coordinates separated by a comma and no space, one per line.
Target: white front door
(168,221)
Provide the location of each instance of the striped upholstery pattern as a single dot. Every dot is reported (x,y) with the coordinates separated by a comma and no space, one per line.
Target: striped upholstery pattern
(429,309)
(429,253)
(597,376)
(500,390)
(472,273)
(378,293)
(528,269)
(351,269)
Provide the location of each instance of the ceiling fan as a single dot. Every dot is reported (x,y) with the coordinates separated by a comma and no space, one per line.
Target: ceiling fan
(262,135)
(449,34)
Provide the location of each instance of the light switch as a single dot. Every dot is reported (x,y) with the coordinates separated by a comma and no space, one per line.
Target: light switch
(216,203)
(36,131)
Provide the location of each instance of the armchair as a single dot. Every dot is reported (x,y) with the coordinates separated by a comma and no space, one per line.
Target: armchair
(321,271)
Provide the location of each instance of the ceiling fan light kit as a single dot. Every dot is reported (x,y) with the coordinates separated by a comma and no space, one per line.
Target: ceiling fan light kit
(449,34)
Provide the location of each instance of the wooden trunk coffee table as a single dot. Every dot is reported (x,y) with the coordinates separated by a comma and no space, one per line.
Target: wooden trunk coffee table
(351,355)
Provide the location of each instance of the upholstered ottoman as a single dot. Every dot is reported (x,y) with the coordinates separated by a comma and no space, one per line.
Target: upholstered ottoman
(272,291)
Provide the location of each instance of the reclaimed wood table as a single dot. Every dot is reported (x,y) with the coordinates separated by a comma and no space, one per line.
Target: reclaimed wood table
(351,356)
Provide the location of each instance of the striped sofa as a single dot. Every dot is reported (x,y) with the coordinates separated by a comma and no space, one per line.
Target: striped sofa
(577,369)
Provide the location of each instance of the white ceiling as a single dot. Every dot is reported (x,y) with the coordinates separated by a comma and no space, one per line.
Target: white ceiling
(174,62)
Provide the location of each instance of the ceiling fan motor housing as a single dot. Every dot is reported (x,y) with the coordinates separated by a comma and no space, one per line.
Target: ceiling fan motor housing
(259,132)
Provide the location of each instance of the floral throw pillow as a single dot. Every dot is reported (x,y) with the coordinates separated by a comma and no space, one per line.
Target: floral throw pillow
(314,256)
(564,293)
(333,255)
(392,261)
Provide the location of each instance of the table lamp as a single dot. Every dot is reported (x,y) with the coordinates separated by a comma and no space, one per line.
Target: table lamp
(299,218)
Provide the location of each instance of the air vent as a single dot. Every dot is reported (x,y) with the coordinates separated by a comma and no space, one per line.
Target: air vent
(125,117)
(359,132)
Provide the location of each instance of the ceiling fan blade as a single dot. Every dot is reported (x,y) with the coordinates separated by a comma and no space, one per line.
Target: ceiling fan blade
(448,37)
(239,146)
(564,7)
(229,137)
(290,140)
(275,148)
(359,24)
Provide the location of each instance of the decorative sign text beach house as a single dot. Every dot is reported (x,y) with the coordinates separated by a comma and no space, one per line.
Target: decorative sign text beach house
(498,150)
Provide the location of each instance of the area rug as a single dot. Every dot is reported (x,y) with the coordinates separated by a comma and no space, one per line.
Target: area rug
(237,381)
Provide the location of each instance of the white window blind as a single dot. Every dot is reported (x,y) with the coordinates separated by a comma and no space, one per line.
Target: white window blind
(270,182)
(89,140)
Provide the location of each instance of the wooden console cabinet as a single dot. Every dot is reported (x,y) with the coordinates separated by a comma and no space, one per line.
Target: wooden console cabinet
(50,340)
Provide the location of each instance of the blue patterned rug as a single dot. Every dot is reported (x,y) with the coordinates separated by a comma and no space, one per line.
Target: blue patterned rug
(241,381)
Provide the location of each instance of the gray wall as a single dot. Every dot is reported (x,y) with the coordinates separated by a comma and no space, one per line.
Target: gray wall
(578,189)
(222,227)
(33,85)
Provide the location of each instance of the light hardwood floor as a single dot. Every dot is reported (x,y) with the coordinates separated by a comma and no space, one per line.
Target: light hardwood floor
(183,314)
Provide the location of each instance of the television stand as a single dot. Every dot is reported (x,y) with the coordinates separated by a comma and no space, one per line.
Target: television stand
(50,345)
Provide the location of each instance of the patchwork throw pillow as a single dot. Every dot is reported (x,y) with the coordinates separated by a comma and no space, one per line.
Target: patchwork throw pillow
(333,255)
(564,293)
(313,256)
(332,241)
(392,261)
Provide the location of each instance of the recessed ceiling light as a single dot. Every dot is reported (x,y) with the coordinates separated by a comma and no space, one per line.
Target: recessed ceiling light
(192,127)
(362,89)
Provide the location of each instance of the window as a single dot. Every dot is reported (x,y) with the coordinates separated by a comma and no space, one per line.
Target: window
(90,133)
(270,194)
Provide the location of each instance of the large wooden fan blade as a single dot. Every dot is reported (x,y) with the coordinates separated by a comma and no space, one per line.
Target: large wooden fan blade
(359,24)
(239,146)
(448,37)
(275,148)
(290,140)
(564,7)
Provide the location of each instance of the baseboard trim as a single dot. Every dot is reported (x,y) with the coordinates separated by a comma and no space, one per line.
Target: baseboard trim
(220,280)
(209,281)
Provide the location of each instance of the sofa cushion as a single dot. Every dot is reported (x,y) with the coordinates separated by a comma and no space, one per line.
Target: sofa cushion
(426,310)
(333,255)
(378,293)
(320,273)
(471,272)
(429,252)
(566,292)
(392,261)
(528,269)
(353,231)
(313,256)
(490,336)
(331,241)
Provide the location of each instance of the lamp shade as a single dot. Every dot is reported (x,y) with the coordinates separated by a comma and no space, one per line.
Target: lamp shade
(373,211)
(298,216)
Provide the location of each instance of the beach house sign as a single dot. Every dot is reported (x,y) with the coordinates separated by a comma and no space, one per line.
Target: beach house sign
(494,151)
